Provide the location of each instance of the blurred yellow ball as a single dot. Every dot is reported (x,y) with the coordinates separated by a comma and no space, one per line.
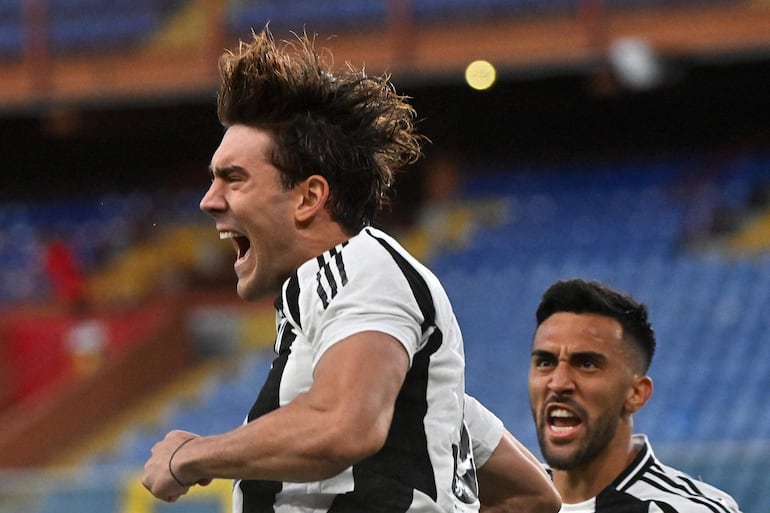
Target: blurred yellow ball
(480,75)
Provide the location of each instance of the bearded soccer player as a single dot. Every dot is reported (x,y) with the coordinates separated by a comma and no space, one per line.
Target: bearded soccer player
(587,378)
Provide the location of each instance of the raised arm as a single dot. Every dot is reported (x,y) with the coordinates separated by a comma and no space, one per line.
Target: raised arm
(510,478)
(344,417)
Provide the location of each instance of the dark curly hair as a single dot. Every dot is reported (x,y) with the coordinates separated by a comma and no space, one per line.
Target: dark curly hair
(353,129)
(585,296)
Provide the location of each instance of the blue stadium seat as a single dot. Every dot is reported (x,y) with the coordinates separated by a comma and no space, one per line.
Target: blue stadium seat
(297,15)
(621,226)
(11,29)
(86,25)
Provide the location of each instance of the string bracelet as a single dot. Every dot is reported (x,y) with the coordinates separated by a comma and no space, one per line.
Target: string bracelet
(171,458)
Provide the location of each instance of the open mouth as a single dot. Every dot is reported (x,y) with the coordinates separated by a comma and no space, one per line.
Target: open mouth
(561,420)
(241,243)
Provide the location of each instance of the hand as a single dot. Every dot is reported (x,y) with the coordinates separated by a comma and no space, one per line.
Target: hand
(157,477)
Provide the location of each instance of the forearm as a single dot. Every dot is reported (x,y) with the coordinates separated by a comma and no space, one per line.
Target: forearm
(513,480)
(294,443)
(343,418)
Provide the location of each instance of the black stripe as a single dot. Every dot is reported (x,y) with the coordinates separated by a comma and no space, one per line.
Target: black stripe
(268,398)
(676,490)
(693,487)
(654,475)
(616,501)
(638,466)
(386,481)
(330,278)
(259,496)
(325,269)
(675,487)
(340,264)
(292,299)
(416,283)
(319,286)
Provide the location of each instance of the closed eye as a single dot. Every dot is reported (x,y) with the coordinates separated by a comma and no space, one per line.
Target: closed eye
(227,174)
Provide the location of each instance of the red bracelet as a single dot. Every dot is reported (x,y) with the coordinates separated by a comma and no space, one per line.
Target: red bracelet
(171,458)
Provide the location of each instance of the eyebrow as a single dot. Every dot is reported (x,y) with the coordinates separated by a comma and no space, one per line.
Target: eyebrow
(593,355)
(541,353)
(223,172)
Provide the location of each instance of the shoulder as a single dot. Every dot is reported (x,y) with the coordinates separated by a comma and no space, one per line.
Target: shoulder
(368,277)
(371,260)
(672,490)
(367,254)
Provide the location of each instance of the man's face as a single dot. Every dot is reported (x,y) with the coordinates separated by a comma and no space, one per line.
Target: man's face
(579,378)
(252,209)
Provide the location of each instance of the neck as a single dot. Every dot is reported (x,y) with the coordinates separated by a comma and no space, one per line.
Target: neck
(588,480)
(318,237)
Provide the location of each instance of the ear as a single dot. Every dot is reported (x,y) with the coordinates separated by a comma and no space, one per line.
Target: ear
(314,193)
(638,394)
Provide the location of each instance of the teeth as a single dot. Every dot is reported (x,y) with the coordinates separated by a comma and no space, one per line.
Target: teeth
(557,429)
(561,413)
(227,235)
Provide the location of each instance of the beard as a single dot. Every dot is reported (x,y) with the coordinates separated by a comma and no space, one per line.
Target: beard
(599,434)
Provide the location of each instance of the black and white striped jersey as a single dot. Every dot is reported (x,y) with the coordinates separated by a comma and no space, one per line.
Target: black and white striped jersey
(370,283)
(485,428)
(649,486)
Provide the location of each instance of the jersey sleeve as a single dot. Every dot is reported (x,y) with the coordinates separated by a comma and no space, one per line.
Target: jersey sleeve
(377,297)
(485,428)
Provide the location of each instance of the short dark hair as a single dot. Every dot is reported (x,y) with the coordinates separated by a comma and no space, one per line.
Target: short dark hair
(352,129)
(586,296)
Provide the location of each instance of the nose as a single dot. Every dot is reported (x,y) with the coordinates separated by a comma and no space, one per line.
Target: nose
(213,201)
(561,379)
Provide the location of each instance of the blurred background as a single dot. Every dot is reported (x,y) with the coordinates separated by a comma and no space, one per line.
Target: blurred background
(620,140)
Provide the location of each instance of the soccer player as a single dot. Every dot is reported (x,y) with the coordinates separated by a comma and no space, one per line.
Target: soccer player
(364,406)
(588,376)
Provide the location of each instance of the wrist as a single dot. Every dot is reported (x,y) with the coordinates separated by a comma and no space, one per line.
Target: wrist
(174,466)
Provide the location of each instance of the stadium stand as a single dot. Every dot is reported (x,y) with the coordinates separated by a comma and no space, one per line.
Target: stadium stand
(11,29)
(691,243)
(243,16)
(84,25)
(98,232)
(618,224)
